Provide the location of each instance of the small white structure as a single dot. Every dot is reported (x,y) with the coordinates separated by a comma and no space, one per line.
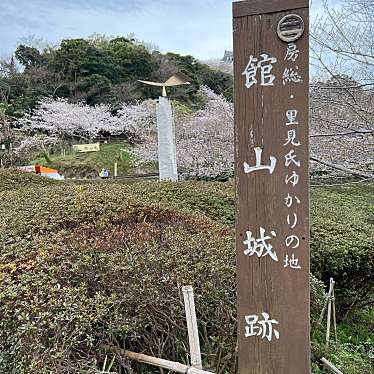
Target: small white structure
(167,155)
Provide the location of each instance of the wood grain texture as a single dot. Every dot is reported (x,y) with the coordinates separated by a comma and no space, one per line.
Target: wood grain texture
(263,284)
(252,7)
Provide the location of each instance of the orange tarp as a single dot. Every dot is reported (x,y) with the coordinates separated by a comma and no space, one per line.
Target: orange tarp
(45,170)
(41,169)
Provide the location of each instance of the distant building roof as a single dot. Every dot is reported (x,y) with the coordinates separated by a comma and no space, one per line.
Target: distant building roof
(228,56)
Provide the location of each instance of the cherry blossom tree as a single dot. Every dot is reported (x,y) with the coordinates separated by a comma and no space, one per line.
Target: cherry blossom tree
(66,120)
(341,123)
(342,95)
(63,119)
(205,142)
(341,135)
(35,143)
(137,120)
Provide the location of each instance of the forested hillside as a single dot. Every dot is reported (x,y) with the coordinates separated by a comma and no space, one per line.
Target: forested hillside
(99,70)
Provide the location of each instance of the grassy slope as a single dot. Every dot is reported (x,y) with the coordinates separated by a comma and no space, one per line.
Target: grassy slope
(89,164)
(337,214)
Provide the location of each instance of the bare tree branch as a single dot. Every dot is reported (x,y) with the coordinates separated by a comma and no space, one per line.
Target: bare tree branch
(344,169)
(356,132)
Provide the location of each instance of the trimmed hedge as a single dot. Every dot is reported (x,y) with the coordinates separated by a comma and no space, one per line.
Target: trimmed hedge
(342,244)
(84,265)
(118,277)
(11,179)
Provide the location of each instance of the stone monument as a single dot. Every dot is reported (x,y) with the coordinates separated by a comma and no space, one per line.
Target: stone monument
(167,157)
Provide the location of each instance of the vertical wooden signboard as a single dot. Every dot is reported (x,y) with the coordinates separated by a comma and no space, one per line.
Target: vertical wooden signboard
(272,184)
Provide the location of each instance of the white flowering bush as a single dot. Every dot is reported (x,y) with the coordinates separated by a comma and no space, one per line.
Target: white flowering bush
(40,142)
(138,120)
(63,119)
(205,142)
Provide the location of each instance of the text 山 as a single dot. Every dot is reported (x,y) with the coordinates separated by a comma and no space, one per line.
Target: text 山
(258,151)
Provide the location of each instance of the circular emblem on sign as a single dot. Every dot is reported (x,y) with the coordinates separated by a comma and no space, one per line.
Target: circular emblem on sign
(290,28)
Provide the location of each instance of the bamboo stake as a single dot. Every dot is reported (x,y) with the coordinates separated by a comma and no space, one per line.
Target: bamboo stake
(159,362)
(193,333)
(329,313)
(330,297)
(334,313)
(330,366)
(323,309)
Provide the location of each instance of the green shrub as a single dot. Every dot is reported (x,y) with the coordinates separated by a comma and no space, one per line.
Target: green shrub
(84,265)
(342,244)
(11,179)
(346,357)
(79,269)
(115,275)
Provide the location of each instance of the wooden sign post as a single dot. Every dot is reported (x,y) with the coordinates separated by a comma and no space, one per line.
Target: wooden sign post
(272,184)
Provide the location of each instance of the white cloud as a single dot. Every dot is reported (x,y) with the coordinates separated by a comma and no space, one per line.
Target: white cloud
(198,27)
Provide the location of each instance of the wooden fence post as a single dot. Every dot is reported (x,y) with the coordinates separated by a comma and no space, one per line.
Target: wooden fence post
(115,170)
(193,333)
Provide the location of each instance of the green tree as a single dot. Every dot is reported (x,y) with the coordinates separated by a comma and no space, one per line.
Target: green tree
(102,70)
(93,89)
(70,58)
(29,56)
(135,61)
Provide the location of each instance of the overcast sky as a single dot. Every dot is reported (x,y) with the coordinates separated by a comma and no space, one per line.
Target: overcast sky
(198,27)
